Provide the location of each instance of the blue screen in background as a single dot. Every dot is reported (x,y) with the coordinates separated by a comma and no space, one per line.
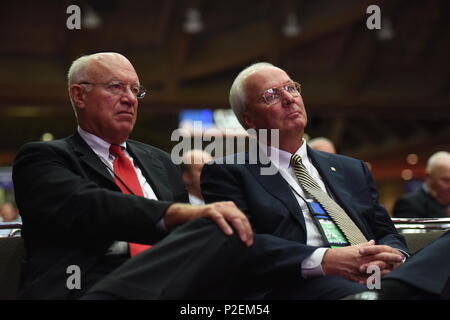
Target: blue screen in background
(187,117)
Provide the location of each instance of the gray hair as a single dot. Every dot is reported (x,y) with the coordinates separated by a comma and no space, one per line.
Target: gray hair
(237,97)
(435,159)
(79,71)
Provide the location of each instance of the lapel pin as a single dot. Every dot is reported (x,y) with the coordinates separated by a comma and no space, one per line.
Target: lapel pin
(333,169)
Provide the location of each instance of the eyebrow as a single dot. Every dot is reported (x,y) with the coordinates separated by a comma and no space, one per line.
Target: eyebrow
(118,80)
(288,82)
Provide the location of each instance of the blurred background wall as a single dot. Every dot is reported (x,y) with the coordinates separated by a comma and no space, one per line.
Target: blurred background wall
(380,95)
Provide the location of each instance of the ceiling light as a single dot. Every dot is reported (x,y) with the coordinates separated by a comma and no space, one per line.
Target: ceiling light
(90,19)
(387,31)
(292,28)
(193,23)
(412,159)
(407,174)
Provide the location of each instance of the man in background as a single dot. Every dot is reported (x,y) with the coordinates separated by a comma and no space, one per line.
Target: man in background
(9,213)
(322,144)
(432,199)
(191,167)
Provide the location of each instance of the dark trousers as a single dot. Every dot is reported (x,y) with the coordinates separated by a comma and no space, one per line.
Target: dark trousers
(198,261)
(193,262)
(428,269)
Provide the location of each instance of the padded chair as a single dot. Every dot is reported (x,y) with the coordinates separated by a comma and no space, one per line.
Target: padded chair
(417,232)
(420,232)
(12,253)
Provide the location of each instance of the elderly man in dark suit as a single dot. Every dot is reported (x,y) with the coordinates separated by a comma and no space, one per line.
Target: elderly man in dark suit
(90,200)
(432,199)
(327,204)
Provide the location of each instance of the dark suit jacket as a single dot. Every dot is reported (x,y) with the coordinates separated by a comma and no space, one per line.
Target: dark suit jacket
(73,211)
(418,204)
(273,209)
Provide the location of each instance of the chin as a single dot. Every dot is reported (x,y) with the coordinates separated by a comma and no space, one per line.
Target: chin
(122,133)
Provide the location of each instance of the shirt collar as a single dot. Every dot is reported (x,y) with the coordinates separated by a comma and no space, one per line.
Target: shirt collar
(283,160)
(100,146)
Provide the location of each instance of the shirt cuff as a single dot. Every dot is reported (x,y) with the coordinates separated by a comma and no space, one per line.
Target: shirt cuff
(405,255)
(312,266)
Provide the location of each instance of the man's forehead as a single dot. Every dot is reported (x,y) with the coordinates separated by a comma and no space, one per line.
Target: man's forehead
(110,67)
(267,77)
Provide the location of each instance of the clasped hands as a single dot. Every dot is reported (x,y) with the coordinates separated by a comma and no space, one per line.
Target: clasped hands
(352,262)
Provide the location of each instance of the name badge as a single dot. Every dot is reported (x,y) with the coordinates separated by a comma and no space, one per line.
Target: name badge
(330,230)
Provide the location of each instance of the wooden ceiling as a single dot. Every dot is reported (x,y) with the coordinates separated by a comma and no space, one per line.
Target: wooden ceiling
(375,99)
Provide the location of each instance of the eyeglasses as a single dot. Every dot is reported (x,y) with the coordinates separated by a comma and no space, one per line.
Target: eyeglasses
(273,95)
(120,88)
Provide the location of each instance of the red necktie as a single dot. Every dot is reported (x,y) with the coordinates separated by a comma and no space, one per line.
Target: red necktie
(126,179)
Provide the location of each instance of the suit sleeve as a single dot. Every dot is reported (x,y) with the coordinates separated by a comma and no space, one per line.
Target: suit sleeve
(220,183)
(56,199)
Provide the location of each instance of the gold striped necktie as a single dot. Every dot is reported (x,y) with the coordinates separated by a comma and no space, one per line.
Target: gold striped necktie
(337,214)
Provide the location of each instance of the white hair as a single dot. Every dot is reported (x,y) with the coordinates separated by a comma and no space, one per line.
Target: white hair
(437,158)
(78,72)
(237,96)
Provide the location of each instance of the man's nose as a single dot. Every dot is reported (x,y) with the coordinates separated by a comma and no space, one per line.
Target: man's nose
(129,96)
(286,98)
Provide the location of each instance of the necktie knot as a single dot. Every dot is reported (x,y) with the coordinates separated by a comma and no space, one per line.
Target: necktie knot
(116,150)
(296,160)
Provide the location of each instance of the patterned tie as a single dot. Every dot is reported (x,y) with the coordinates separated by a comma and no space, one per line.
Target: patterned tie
(126,179)
(337,214)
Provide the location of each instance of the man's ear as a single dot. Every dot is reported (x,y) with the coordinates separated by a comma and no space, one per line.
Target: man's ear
(77,95)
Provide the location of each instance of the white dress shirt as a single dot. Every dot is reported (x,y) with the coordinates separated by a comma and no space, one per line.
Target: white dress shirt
(195,201)
(101,149)
(311,266)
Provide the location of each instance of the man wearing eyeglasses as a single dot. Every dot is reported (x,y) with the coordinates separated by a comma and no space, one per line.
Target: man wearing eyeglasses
(325,204)
(91,200)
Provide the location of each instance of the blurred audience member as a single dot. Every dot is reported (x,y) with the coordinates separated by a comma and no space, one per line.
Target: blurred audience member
(432,199)
(9,213)
(192,165)
(322,144)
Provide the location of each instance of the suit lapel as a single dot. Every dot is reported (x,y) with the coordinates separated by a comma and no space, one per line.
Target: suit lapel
(332,174)
(88,156)
(279,188)
(152,169)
